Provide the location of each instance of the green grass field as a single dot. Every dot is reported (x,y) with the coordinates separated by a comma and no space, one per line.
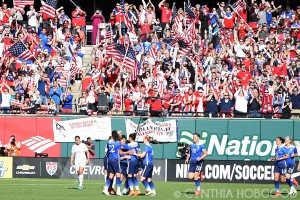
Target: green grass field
(43,189)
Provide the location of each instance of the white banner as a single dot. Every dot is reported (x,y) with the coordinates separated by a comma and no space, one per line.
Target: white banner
(95,128)
(160,131)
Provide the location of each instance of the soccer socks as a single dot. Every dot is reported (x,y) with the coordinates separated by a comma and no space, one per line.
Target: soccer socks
(151,184)
(80,178)
(290,182)
(145,183)
(118,183)
(130,183)
(108,183)
(197,183)
(136,183)
(276,186)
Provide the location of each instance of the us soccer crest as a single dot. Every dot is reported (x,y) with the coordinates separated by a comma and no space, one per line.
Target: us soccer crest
(51,168)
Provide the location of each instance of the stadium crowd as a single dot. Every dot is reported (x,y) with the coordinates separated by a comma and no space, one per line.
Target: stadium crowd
(237,59)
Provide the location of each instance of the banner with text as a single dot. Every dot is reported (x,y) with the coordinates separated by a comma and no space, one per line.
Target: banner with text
(165,131)
(95,128)
(225,171)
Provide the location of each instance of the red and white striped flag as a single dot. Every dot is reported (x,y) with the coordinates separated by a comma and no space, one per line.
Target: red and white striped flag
(49,8)
(20,4)
(75,70)
(111,51)
(153,52)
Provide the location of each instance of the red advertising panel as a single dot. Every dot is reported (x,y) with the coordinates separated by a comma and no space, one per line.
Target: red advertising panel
(34,134)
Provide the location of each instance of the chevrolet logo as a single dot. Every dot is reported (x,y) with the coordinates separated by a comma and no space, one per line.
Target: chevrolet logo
(25,167)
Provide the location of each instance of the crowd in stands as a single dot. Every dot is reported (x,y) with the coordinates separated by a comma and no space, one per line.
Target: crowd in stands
(40,57)
(240,58)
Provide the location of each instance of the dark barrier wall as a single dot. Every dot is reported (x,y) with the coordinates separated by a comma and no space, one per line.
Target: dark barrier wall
(164,170)
(225,139)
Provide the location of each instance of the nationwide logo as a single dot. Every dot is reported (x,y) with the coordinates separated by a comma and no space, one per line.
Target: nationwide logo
(25,169)
(2,169)
(38,144)
(51,168)
(222,145)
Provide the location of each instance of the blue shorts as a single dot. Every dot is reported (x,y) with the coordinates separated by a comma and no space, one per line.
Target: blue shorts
(147,171)
(133,167)
(124,168)
(105,163)
(281,169)
(113,166)
(290,169)
(195,167)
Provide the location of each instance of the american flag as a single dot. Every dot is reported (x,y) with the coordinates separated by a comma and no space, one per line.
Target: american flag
(189,13)
(109,35)
(177,37)
(239,5)
(75,70)
(129,60)
(174,11)
(176,24)
(49,8)
(111,51)
(20,4)
(190,32)
(19,50)
(127,21)
(185,47)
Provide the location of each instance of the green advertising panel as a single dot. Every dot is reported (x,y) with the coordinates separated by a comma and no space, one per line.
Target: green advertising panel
(224,139)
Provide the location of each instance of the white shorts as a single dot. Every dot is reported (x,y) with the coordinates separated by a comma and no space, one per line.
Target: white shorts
(80,164)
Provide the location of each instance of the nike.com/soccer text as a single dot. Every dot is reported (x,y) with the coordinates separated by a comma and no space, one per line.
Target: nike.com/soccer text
(232,194)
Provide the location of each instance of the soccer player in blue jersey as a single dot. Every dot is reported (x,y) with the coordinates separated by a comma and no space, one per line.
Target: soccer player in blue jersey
(146,176)
(290,162)
(196,156)
(281,154)
(124,158)
(113,162)
(133,166)
(110,189)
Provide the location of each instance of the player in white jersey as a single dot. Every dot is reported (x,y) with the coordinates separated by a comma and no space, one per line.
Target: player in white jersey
(81,154)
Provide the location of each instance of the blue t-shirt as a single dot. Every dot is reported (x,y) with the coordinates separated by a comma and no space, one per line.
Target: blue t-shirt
(196,151)
(136,147)
(280,152)
(291,150)
(124,148)
(113,148)
(149,155)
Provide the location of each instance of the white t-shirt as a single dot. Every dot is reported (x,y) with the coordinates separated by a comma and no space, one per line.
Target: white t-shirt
(79,152)
(6,100)
(32,21)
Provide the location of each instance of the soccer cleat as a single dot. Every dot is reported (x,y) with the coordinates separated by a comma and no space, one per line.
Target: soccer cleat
(131,193)
(277,194)
(111,191)
(124,192)
(197,192)
(80,188)
(293,191)
(153,194)
(119,193)
(148,193)
(201,176)
(105,191)
(295,182)
(137,193)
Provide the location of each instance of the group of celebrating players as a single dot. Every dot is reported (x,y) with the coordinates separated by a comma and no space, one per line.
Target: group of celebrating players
(125,161)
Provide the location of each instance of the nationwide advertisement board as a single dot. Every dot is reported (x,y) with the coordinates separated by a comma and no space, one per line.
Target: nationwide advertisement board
(225,171)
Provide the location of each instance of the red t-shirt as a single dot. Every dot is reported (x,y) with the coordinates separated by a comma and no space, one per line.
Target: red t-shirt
(229,21)
(156,104)
(165,14)
(244,76)
(79,19)
(5,18)
(128,104)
